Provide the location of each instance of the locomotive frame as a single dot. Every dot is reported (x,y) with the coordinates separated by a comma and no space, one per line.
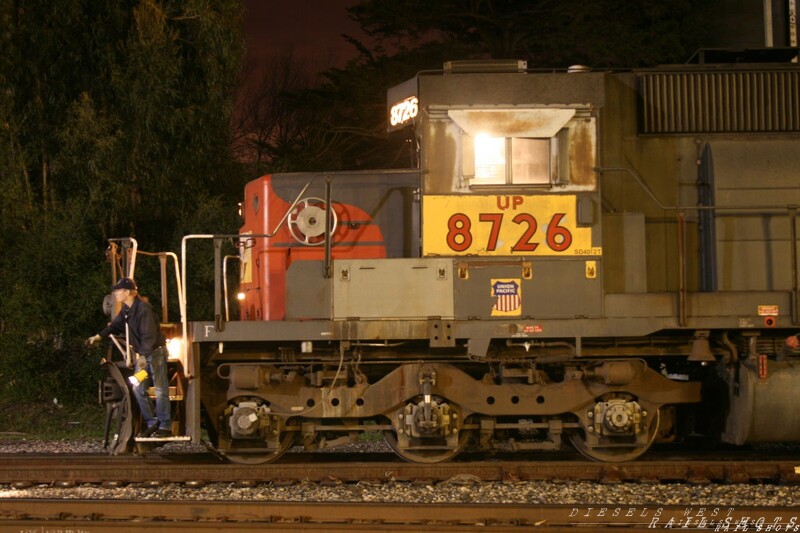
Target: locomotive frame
(608,258)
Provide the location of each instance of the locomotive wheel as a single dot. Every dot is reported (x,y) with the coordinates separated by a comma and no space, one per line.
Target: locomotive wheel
(119,414)
(616,454)
(428,456)
(254,458)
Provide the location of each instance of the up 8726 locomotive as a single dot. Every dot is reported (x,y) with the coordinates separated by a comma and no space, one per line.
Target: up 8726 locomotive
(603,258)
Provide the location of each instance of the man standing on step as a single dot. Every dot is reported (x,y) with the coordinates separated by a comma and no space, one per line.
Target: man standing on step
(146,338)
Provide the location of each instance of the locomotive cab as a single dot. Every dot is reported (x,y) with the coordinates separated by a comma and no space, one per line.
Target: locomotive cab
(510,192)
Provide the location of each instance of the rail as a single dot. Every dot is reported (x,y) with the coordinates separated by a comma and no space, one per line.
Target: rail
(791,210)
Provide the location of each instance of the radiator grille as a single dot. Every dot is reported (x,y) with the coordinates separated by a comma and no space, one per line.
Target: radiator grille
(720,102)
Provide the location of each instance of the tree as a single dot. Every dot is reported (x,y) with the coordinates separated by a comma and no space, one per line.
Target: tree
(265,124)
(115,121)
(340,122)
(547,33)
(121,102)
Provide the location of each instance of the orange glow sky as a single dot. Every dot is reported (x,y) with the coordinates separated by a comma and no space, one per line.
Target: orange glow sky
(310,29)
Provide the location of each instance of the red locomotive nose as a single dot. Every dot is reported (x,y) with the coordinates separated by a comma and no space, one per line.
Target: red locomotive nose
(296,223)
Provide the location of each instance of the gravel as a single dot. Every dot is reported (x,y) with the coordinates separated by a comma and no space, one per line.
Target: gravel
(455,490)
(24,445)
(566,493)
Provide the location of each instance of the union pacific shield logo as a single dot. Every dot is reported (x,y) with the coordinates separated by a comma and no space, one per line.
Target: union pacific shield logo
(507,294)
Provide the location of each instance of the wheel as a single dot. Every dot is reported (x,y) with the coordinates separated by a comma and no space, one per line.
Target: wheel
(116,395)
(431,455)
(617,453)
(253,457)
(307,222)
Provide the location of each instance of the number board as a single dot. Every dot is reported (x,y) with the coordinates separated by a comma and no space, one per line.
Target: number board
(504,225)
(403,112)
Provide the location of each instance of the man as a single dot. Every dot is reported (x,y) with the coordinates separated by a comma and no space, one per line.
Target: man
(146,338)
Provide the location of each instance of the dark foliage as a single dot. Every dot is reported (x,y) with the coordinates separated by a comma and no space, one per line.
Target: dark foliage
(339,121)
(114,121)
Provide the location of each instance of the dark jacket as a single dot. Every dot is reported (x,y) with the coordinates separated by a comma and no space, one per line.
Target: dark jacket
(144,329)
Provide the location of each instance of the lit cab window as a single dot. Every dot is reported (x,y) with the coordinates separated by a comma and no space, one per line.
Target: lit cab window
(504,160)
(490,159)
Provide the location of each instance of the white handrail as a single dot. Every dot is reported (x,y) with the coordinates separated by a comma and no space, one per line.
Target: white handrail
(183,299)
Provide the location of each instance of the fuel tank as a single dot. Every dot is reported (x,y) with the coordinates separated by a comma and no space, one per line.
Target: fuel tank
(764,395)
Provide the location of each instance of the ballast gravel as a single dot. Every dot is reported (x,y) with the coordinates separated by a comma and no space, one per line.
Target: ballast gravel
(455,490)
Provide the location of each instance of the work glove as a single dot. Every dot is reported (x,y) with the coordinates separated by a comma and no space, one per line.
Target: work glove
(93,339)
(792,342)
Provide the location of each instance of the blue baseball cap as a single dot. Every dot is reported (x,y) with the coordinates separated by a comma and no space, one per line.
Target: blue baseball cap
(124,283)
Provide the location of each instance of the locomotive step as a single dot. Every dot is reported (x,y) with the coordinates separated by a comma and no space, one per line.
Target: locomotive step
(175,438)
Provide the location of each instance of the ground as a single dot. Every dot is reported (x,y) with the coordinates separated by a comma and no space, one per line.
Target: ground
(82,419)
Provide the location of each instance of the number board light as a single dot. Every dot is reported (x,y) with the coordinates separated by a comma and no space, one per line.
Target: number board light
(404,111)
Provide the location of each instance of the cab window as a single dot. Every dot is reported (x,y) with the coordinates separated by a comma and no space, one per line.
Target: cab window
(519,146)
(512,160)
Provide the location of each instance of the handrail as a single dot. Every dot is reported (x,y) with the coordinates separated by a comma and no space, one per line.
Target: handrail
(179,286)
(225,282)
(795,291)
(184,241)
(174,257)
(130,274)
(184,299)
(132,265)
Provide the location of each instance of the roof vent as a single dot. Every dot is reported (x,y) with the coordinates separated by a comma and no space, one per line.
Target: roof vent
(485,65)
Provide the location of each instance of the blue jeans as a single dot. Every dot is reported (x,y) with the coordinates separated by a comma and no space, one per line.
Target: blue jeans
(157,368)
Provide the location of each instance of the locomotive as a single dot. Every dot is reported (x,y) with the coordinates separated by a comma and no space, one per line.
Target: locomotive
(606,259)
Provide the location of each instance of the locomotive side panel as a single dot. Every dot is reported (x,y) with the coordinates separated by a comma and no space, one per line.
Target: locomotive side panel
(399,288)
(544,289)
(670,146)
(752,170)
(722,138)
(642,175)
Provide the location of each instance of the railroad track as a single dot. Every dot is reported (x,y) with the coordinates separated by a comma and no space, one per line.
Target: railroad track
(96,517)
(66,470)
(195,471)
(99,517)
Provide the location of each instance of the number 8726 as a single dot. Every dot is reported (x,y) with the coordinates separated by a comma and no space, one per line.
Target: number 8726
(460,234)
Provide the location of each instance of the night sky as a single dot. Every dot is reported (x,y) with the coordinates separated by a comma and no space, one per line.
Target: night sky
(311,29)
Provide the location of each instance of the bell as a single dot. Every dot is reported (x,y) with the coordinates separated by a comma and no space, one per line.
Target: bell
(701,351)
